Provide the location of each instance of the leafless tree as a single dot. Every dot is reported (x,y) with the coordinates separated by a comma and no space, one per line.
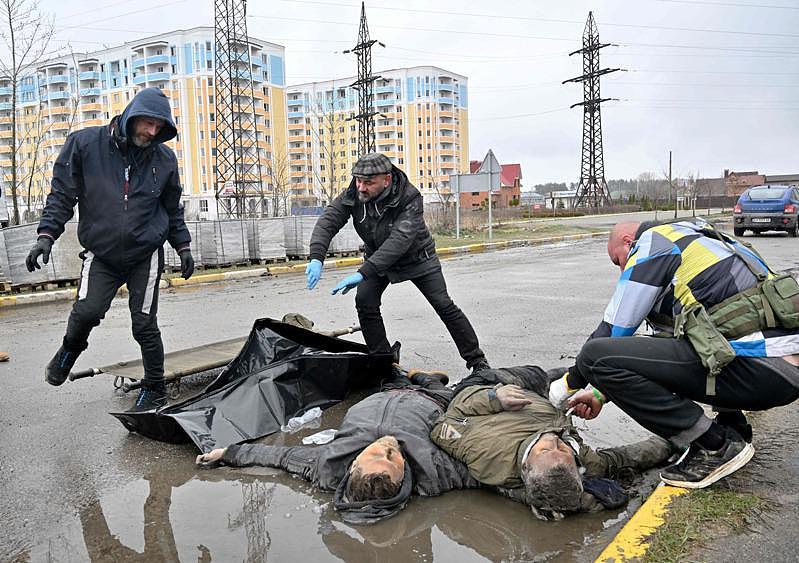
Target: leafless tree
(26,34)
(41,158)
(324,133)
(278,174)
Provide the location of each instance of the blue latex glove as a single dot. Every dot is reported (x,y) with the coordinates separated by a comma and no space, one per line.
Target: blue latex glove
(313,273)
(347,283)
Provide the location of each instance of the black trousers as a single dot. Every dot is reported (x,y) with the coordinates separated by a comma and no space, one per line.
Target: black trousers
(434,289)
(656,381)
(527,377)
(98,285)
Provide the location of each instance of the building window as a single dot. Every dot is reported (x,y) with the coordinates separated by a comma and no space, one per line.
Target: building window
(203,206)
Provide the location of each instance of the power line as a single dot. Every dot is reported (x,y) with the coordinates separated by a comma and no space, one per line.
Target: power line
(545,20)
(94,10)
(730,4)
(536,37)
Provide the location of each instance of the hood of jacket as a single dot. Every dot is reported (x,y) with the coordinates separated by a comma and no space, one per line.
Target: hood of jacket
(150,102)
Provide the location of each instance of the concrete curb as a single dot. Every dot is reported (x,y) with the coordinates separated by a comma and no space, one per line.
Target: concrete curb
(69,294)
(631,541)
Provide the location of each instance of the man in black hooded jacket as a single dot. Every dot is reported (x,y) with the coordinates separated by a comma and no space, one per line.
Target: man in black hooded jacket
(126,185)
(387,213)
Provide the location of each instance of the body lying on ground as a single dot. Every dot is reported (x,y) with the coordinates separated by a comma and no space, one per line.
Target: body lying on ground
(383,452)
(503,427)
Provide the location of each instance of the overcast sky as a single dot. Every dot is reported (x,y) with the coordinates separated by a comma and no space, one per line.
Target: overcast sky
(716,82)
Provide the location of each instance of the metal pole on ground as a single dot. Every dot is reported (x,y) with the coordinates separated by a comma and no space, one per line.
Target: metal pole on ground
(458,206)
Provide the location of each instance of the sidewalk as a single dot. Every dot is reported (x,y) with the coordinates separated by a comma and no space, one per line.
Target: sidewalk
(37,297)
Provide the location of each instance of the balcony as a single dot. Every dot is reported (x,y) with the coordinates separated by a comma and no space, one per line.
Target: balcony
(89,75)
(296,138)
(140,79)
(61,124)
(446,113)
(54,96)
(91,107)
(385,103)
(446,101)
(58,79)
(295,114)
(5,91)
(158,76)
(92,122)
(158,59)
(60,110)
(5,133)
(384,90)
(90,91)
(137,63)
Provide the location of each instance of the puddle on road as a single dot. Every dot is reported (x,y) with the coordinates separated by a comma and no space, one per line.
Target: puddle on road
(260,514)
(235,515)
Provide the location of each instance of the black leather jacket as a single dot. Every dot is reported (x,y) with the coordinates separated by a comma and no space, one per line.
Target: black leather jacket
(397,242)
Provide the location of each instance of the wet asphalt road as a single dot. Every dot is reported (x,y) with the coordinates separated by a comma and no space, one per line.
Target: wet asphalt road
(77,486)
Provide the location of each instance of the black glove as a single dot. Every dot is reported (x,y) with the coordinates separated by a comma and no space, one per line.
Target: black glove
(41,248)
(186,264)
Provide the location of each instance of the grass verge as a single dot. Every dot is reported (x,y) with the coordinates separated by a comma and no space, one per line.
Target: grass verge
(696,518)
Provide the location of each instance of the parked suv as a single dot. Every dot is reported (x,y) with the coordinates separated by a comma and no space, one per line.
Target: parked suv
(767,208)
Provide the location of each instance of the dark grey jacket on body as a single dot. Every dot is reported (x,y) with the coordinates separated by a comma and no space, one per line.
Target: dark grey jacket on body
(397,242)
(128,197)
(408,415)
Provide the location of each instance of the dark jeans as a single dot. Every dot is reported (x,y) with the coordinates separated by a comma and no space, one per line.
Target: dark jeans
(434,289)
(656,381)
(527,377)
(98,285)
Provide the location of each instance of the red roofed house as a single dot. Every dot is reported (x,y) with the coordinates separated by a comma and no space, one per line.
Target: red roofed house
(510,180)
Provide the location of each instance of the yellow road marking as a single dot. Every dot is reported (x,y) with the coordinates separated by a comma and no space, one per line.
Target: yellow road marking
(631,542)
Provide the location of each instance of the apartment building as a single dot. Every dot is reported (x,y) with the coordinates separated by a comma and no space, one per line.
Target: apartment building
(81,90)
(422,126)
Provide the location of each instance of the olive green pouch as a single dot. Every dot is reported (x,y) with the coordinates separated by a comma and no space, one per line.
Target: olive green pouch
(710,345)
(782,293)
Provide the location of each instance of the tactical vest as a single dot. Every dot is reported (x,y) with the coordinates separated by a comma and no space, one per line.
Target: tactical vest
(772,303)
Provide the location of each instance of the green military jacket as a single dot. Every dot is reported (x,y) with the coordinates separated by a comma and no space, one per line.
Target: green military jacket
(491,441)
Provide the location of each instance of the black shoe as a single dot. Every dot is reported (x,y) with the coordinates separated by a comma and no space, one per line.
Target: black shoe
(428,378)
(58,368)
(700,467)
(737,421)
(479,366)
(150,397)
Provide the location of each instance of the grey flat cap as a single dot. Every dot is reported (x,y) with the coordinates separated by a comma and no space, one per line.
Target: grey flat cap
(372,164)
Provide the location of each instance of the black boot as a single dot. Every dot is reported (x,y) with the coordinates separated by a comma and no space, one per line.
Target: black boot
(428,379)
(737,421)
(58,368)
(151,396)
(479,366)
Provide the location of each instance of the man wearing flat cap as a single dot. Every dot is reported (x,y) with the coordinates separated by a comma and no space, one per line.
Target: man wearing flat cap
(387,213)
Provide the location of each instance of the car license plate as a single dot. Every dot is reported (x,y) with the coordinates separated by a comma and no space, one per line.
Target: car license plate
(761,220)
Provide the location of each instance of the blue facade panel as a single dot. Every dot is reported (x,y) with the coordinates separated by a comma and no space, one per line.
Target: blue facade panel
(411,89)
(464,95)
(187,58)
(277,74)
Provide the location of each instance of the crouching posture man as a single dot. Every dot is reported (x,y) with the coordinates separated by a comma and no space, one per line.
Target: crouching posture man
(380,456)
(502,426)
(728,336)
